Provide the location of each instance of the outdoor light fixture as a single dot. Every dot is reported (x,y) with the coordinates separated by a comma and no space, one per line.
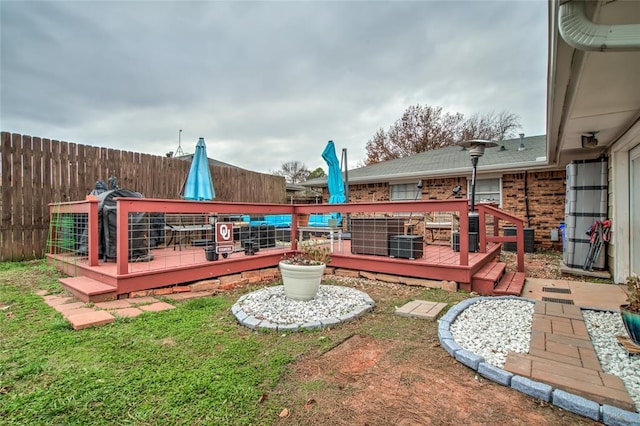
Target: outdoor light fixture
(455,191)
(476,149)
(590,140)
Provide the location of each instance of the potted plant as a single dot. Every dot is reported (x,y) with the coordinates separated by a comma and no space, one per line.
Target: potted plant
(303,219)
(631,311)
(303,270)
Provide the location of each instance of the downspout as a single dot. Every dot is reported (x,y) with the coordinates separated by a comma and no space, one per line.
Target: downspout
(526,198)
(581,33)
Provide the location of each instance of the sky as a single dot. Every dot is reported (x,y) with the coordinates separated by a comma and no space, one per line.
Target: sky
(263,82)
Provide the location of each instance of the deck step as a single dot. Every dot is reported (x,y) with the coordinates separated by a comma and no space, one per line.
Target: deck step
(485,280)
(511,284)
(88,289)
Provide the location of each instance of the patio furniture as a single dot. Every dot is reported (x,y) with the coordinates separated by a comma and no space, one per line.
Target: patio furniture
(372,235)
(181,235)
(333,232)
(406,246)
(438,222)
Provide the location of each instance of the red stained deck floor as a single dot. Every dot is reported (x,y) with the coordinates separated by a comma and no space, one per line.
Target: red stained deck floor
(175,265)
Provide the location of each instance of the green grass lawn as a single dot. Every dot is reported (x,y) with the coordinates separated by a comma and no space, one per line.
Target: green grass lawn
(190,365)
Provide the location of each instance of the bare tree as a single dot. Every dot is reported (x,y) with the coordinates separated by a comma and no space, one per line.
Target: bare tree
(293,171)
(423,128)
(490,126)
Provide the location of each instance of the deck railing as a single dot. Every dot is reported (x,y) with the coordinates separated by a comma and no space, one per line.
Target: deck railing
(485,210)
(203,212)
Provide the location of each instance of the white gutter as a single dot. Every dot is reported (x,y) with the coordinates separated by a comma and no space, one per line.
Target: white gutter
(580,33)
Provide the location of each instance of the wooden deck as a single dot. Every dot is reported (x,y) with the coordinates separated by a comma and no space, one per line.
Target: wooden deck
(174,267)
(171,264)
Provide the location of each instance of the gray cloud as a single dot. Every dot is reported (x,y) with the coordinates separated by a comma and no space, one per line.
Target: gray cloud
(263,82)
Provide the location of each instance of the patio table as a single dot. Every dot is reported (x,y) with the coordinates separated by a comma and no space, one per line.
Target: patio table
(325,229)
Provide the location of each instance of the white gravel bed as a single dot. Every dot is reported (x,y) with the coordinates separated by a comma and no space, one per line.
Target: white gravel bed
(332,301)
(603,327)
(492,328)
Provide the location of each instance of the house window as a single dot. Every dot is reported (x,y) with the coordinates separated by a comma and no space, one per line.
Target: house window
(405,191)
(488,191)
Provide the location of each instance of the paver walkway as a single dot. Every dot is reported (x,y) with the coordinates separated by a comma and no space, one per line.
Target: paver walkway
(561,355)
(82,315)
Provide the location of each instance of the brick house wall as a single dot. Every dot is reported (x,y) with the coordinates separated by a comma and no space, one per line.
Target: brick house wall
(546,195)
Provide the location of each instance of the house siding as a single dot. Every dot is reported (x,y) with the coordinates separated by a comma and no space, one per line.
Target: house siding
(546,195)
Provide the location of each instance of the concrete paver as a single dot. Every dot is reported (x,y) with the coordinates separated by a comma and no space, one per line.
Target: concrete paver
(156,307)
(421,309)
(588,295)
(65,307)
(135,301)
(127,312)
(113,304)
(90,319)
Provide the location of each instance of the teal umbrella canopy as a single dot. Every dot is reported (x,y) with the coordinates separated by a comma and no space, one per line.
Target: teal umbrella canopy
(199,185)
(335,182)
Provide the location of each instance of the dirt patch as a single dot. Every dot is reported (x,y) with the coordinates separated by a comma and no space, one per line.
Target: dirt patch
(545,264)
(354,357)
(371,381)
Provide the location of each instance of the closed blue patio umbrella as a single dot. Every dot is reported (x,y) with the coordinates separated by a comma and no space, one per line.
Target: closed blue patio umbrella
(199,185)
(335,182)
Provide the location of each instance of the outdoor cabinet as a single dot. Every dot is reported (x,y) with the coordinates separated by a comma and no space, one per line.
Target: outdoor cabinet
(372,235)
(406,246)
(474,243)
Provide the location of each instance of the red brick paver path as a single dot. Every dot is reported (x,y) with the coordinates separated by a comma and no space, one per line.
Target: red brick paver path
(82,315)
(561,355)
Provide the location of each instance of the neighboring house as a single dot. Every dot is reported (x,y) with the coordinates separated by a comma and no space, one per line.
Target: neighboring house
(298,194)
(515,175)
(594,86)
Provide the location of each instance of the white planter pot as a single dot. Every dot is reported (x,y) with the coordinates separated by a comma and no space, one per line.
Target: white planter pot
(301,282)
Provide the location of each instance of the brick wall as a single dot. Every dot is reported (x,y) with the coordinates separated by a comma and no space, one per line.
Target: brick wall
(546,199)
(546,203)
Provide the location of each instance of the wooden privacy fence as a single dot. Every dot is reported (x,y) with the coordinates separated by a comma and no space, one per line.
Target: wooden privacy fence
(38,171)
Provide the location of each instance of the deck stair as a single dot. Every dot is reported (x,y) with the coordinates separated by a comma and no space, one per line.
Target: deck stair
(493,280)
(88,289)
(510,284)
(487,278)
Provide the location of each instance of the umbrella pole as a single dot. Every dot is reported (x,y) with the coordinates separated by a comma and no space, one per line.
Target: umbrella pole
(344,164)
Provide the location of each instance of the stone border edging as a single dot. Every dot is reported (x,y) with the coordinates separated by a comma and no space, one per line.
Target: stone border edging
(256,323)
(607,414)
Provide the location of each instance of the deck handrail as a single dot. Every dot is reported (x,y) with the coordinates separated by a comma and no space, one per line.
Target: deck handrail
(125,206)
(483,211)
(88,207)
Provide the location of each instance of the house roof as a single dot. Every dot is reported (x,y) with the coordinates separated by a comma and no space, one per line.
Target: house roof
(294,187)
(450,161)
(592,81)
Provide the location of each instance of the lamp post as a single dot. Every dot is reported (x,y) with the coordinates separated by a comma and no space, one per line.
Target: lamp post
(476,150)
